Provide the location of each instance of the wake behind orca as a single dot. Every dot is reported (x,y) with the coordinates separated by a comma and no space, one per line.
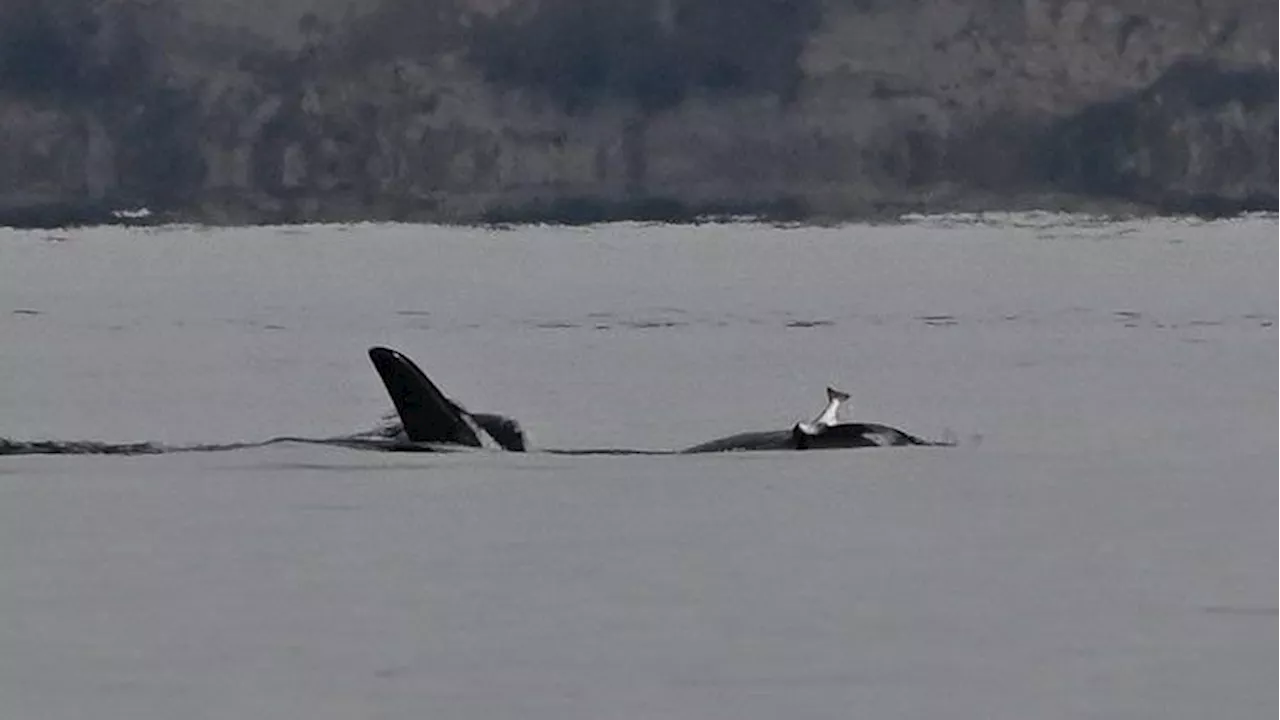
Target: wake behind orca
(430,421)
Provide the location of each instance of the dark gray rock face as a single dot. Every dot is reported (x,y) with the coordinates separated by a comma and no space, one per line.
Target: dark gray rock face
(1202,139)
(504,110)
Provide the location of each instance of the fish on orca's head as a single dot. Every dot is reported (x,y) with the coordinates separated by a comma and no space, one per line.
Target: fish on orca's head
(826,430)
(840,435)
(829,416)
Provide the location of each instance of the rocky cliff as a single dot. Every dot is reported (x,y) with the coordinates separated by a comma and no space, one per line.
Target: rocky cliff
(457,110)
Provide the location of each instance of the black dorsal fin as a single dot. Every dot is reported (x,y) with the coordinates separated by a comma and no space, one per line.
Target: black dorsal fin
(425,412)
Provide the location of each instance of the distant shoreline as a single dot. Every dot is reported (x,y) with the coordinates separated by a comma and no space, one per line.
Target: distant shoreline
(579,211)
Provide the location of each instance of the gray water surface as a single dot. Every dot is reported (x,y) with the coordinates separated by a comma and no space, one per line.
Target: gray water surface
(1099,545)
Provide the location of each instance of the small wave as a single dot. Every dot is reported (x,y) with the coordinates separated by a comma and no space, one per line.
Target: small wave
(76,447)
(94,447)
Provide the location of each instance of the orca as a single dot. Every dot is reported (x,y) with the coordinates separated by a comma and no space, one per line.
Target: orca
(429,418)
(429,421)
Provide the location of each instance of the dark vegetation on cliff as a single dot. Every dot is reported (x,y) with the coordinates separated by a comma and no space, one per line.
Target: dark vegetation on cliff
(1141,147)
(647,57)
(566,110)
(107,63)
(107,69)
(583,53)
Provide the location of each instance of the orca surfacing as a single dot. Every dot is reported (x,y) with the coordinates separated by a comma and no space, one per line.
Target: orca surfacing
(431,421)
(428,416)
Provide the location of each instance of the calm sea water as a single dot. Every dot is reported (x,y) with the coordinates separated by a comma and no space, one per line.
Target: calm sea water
(1098,545)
